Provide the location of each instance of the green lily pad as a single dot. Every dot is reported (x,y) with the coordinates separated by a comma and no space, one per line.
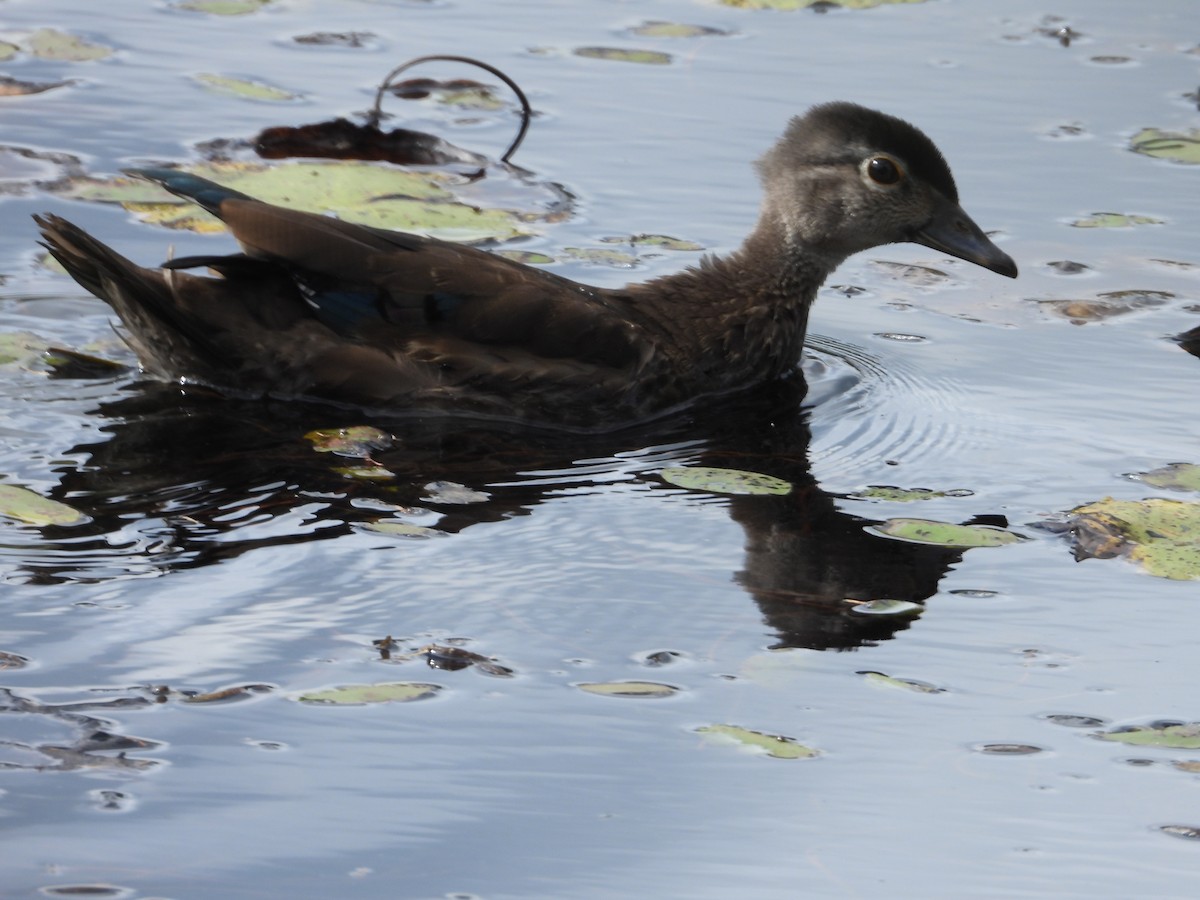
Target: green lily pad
(1174,737)
(24,505)
(8,51)
(418,201)
(223,7)
(675,30)
(396,528)
(946,534)
(617,54)
(366,473)
(1174,477)
(1177,146)
(527,257)
(662,241)
(905,495)
(773,745)
(360,694)
(640,689)
(616,259)
(1163,536)
(725,481)
(50,43)
(886,607)
(907,684)
(244,88)
(356,442)
(786,5)
(1114,220)
(21,349)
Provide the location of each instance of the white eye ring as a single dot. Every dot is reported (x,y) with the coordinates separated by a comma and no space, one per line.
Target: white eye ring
(881,170)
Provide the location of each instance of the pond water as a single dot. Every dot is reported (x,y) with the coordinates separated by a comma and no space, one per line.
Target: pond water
(223,553)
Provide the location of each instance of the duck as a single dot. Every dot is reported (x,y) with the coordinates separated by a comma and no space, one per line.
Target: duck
(315,308)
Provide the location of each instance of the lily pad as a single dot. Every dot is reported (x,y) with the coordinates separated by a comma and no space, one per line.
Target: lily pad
(396,528)
(675,30)
(1106,305)
(616,259)
(905,495)
(24,505)
(366,473)
(21,349)
(724,481)
(1174,477)
(1114,220)
(662,241)
(886,607)
(527,257)
(456,93)
(418,201)
(920,687)
(361,694)
(639,689)
(223,7)
(773,745)
(1163,536)
(244,88)
(356,442)
(617,54)
(453,493)
(8,51)
(1179,736)
(1176,146)
(946,534)
(50,43)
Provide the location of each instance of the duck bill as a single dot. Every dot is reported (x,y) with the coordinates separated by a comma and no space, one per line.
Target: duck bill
(952,231)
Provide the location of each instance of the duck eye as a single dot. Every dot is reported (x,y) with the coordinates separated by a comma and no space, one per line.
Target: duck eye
(883,170)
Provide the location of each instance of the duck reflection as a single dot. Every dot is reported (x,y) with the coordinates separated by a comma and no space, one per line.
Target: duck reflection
(188,473)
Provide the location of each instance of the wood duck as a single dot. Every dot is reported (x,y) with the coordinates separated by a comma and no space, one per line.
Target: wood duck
(318,308)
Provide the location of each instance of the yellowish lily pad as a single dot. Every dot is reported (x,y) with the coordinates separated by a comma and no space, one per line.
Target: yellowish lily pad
(639,689)
(1176,146)
(804,4)
(1163,536)
(361,694)
(50,43)
(907,684)
(26,506)
(675,30)
(223,7)
(8,51)
(528,257)
(1184,736)
(616,259)
(1114,220)
(773,745)
(724,481)
(645,57)
(662,241)
(905,495)
(1174,477)
(946,534)
(356,442)
(244,88)
(884,606)
(397,528)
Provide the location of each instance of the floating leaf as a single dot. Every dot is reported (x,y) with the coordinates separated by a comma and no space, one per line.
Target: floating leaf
(26,506)
(457,93)
(905,495)
(238,692)
(8,51)
(616,259)
(724,481)
(356,192)
(244,88)
(645,57)
(223,7)
(396,528)
(360,694)
(49,43)
(351,39)
(527,257)
(356,442)
(453,492)
(654,240)
(641,689)
(919,687)
(675,30)
(1008,749)
(366,473)
(1106,305)
(1177,146)
(1163,536)
(1175,477)
(886,607)
(21,349)
(1179,736)
(947,534)
(773,745)
(14,87)
(1114,220)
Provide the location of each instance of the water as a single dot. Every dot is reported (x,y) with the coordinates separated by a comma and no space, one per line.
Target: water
(224,552)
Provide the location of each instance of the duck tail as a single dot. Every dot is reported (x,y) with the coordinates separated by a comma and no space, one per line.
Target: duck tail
(206,194)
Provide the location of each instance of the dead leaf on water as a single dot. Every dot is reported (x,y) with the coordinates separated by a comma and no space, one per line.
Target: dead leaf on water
(14,87)
(355,442)
(1106,305)
(1162,536)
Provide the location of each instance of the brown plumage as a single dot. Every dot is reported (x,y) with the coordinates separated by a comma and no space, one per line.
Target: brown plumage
(315,307)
